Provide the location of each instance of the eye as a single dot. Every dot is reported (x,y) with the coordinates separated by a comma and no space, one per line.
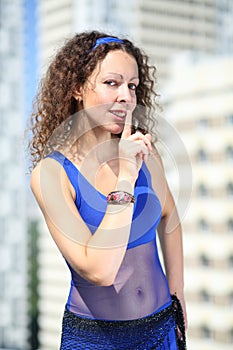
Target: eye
(132,86)
(110,82)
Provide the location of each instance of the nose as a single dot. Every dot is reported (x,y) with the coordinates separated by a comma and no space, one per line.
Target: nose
(124,94)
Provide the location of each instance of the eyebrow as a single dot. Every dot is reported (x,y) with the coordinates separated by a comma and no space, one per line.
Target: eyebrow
(114,73)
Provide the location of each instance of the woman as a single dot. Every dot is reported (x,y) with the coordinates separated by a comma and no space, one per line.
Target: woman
(101,187)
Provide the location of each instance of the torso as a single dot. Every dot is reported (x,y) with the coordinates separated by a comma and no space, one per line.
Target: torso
(140,287)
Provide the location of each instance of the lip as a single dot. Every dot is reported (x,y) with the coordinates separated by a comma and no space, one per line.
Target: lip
(119,113)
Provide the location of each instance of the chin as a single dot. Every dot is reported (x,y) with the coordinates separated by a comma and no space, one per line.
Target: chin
(116,129)
(118,132)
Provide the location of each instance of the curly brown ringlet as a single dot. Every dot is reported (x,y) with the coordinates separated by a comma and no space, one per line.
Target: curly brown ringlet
(68,71)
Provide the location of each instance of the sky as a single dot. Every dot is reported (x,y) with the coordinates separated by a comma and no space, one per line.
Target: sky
(31,53)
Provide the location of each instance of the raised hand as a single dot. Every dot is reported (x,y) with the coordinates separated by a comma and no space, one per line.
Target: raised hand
(133,150)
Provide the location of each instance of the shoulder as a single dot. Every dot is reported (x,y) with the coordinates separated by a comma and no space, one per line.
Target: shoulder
(156,168)
(159,181)
(46,166)
(49,173)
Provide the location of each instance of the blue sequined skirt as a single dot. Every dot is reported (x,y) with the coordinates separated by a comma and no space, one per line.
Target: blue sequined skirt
(156,331)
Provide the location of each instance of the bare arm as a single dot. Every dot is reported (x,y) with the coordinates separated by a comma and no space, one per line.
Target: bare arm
(170,235)
(170,231)
(96,257)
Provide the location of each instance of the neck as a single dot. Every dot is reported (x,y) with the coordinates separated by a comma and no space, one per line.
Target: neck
(94,143)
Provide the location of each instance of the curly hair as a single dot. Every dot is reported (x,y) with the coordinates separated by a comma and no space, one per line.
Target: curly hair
(69,70)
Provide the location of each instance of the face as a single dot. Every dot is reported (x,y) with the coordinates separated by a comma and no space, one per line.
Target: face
(111,90)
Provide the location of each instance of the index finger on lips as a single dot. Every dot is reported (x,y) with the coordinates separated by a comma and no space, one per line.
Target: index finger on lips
(127,127)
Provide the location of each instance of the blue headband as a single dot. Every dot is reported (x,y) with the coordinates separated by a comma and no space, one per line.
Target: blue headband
(106,40)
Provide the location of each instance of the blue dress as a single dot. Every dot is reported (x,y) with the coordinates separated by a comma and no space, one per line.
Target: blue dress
(135,312)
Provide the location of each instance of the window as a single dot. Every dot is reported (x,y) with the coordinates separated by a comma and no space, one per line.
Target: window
(231,335)
(202,123)
(202,156)
(229,152)
(230,119)
(230,261)
(203,225)
(204,261)
(2,285)
(230,298)
(202,190)
(3,229)
(205,296)
(205,331)
(230,225)
(230,189)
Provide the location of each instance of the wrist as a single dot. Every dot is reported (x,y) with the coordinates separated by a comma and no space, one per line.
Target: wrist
(178,290)
(125,184)
(120,197)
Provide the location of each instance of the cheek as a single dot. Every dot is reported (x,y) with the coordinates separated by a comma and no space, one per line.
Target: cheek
(134,102)
(106,96)
(94,98)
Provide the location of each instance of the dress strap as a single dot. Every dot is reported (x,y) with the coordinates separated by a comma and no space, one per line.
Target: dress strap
(71,171)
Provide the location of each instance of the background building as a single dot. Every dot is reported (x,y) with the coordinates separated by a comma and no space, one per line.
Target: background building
(163,28)
(171,26)
(13,229)
(200,105)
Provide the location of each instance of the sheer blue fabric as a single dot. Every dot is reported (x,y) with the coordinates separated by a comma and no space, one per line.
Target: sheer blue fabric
(140,288)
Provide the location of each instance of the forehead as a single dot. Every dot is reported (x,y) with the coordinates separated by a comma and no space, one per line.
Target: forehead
(118,61)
